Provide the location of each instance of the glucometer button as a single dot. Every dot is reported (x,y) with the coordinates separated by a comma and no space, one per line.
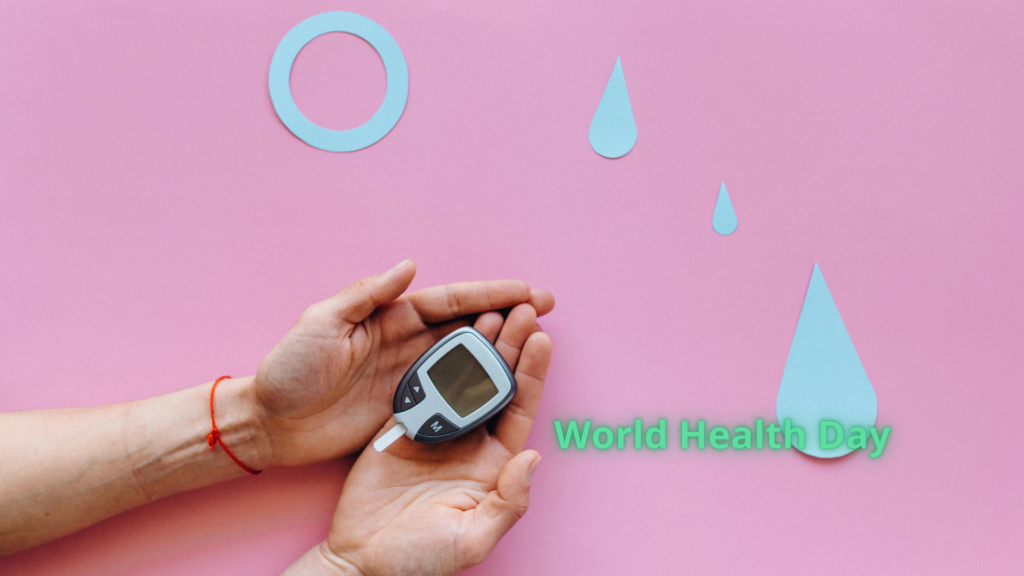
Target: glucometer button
(416,389)
(436,425)
(404,400)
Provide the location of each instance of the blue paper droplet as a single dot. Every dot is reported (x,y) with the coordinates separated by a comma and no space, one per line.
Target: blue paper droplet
(613,130)
(824,378)
(724,218)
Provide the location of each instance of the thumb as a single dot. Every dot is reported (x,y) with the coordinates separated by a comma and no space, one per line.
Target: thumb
(502,508)
(355,303)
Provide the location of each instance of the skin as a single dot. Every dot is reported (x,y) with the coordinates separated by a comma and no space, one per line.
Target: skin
(323,392)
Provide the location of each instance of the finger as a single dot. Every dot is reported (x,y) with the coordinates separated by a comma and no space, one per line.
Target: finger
(489,324)
(542,301)
(516,419)
(518,327)
(436,332)
(502,508)
(355,303)
(441,303)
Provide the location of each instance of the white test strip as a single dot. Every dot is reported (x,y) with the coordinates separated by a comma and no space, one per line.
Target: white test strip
(389,437)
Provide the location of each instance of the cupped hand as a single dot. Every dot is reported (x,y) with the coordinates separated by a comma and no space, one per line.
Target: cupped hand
(326,388)
(441,508)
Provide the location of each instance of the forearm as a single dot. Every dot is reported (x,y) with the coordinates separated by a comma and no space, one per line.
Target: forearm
(63,470)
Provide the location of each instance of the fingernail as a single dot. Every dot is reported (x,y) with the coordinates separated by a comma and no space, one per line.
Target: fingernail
(399,266)
(532,468)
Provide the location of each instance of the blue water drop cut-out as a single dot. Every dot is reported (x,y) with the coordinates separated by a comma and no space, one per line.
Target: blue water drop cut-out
(613,130)
(824,378)
(724,218)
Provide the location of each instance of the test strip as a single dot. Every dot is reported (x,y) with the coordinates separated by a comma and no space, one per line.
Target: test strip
(389,438)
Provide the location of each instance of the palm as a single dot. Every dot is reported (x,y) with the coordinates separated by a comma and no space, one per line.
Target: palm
(419,499)
(328,384)
(440,508)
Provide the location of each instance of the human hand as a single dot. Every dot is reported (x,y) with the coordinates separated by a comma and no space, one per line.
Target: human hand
(441,508)
(326,388)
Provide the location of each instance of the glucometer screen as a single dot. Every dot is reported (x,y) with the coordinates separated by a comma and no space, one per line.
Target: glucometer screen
(462,381)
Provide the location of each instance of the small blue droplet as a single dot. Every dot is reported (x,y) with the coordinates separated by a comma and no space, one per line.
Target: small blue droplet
(824,378)
(724,218)
(613,130)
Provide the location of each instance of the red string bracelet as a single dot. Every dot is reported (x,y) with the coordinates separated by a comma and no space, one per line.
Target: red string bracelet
(213,438)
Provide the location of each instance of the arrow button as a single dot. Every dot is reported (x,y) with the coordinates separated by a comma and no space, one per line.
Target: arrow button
(404,399)
(416,389)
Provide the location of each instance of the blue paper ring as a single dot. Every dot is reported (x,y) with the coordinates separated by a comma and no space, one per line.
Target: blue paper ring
(394,67)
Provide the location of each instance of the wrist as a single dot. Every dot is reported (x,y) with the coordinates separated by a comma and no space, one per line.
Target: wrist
(320,561)
(240,422)
(337,561)
(165,438)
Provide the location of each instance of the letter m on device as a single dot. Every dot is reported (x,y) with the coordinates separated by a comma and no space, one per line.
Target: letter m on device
(572,433)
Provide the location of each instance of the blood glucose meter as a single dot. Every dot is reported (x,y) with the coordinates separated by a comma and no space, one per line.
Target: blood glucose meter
(454,387)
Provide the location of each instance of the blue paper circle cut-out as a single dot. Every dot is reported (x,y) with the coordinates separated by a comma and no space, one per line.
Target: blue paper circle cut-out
(395,69)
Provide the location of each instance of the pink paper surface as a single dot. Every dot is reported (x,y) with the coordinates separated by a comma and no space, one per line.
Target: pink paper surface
(159,227)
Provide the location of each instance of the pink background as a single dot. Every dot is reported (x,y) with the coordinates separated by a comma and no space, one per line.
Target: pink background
(159,226)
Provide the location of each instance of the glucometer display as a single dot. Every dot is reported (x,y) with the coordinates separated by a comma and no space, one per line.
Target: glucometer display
(462,381)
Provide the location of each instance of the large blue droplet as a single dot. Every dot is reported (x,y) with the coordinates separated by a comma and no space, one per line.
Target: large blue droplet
(724,218)
(613,130)
(824,379)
